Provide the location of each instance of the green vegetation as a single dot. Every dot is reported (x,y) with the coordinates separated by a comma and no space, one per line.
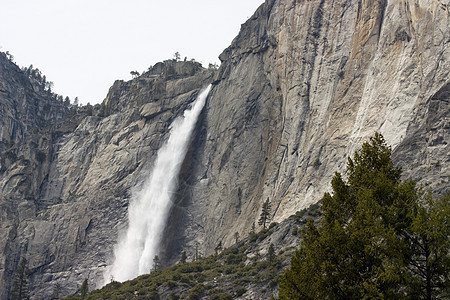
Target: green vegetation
(265,214)
(374,236)
(40,81)
(19,289)
(9,56)
(36,77)
(56,291)
(379,237)
(213,66)
(183,257)
(222,276)
(156,263)
(236,237)
(135,74)
(171,71)
(271,254)
(84,289)
(317,163)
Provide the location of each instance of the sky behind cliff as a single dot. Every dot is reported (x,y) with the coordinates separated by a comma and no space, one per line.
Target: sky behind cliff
(83,46)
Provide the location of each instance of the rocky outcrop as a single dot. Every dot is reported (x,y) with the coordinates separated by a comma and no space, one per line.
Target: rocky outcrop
(299,89)
(27,116)
(25,107)
(65,195)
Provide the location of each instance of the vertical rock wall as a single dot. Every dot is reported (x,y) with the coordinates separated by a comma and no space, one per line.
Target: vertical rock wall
(65,187)
(301,87)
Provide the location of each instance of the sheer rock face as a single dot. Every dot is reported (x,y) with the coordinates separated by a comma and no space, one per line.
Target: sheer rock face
(299,89)
(65,194)
(302,86)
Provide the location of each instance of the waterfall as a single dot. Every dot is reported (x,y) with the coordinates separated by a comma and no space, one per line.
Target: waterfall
(149,208)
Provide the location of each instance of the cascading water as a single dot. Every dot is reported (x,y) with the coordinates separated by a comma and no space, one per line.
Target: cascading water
(149,208)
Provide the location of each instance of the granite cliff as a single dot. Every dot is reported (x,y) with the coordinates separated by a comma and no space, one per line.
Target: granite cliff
(298,90)
(320,77)
(66,186)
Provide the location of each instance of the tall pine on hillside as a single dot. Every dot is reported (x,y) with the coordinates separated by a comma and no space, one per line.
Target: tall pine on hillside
(265,214)
(378,238)
(19,289)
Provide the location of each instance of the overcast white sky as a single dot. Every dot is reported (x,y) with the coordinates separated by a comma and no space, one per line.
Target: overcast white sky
(84,45)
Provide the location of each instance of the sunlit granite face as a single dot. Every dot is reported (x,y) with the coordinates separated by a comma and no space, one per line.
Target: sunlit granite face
(299,89)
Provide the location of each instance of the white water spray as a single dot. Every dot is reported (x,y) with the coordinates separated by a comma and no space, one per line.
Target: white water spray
(149,208)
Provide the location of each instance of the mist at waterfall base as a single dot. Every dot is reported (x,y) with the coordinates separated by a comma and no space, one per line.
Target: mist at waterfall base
(149,208)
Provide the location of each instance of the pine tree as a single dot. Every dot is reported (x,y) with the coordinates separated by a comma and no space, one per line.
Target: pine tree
(156,263)
(197,254)
(253,230)
(56,291)
(9,56)
(265,214)
(19,289)
(135,74)
(183,257)
(427,270)
(236,237)
(367,244)
(271,254)
(84,289)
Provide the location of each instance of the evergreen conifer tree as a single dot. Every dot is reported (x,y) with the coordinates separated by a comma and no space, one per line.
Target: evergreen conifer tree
(156,263)
(183,257)
(253,230)
(84,290)
(271,254)
(265,214)
(236,237)
(56,291)
(19,289)
(377,238)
